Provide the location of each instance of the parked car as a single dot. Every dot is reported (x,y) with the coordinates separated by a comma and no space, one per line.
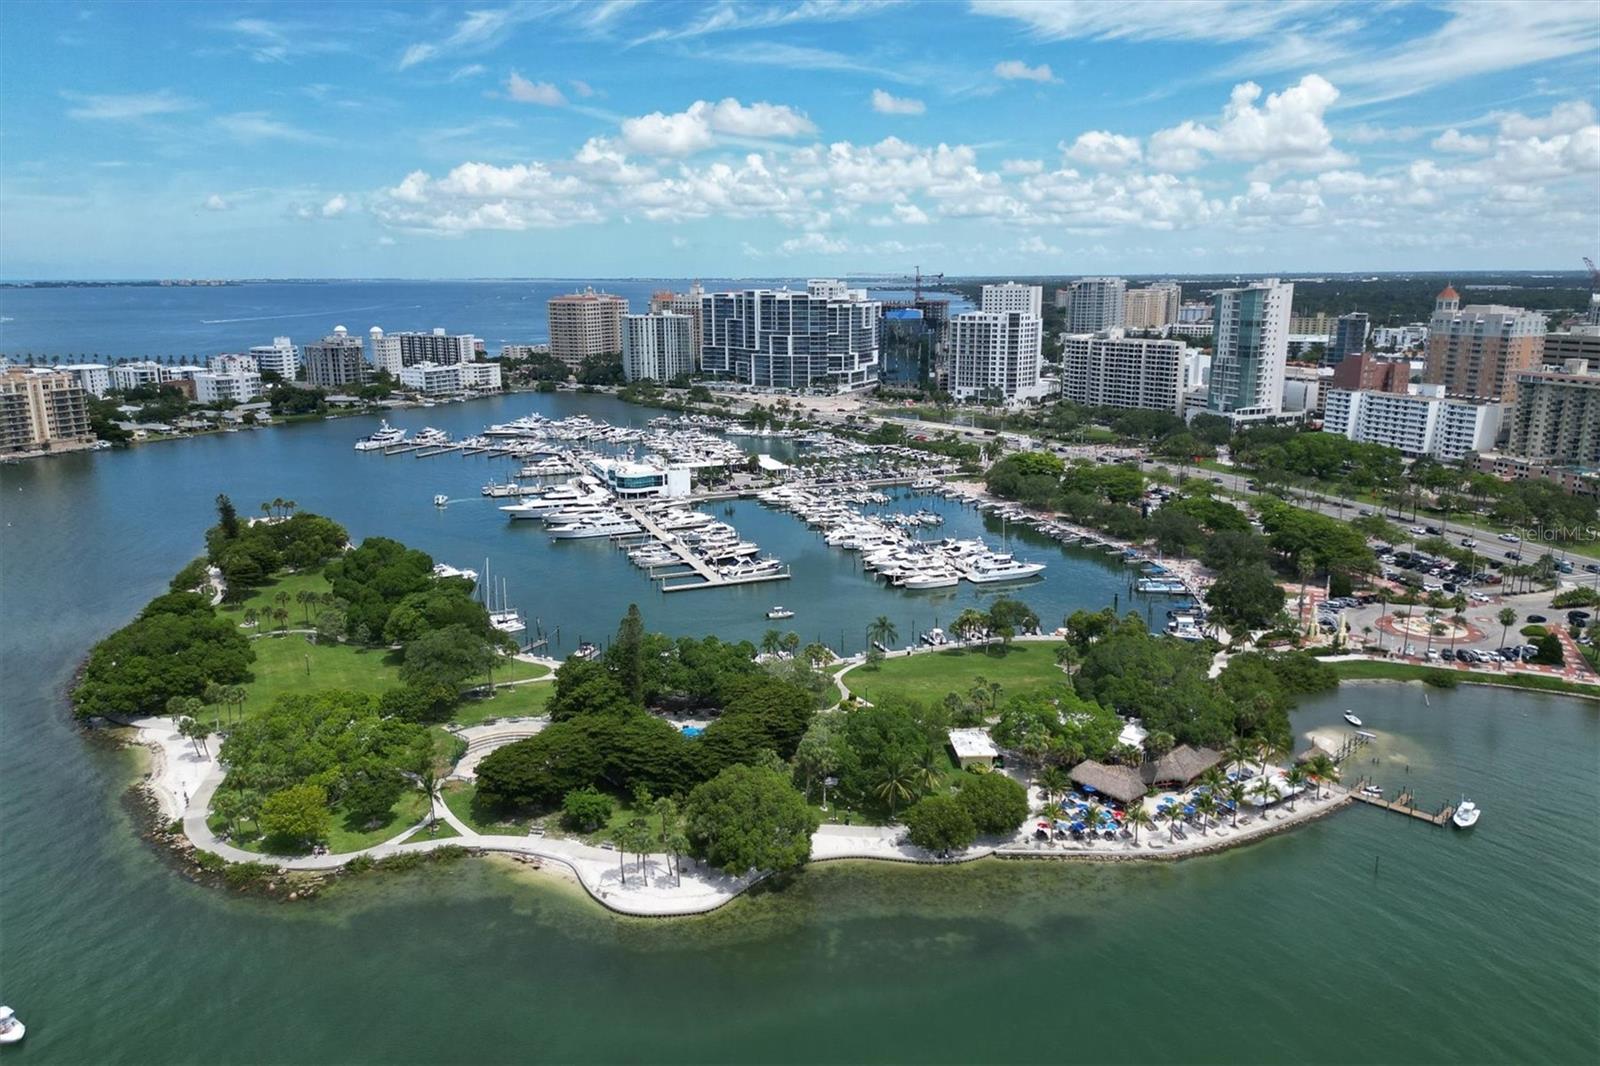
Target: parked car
(1535,619)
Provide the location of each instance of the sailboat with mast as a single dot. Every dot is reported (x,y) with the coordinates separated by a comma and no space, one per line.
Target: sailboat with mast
(504,618)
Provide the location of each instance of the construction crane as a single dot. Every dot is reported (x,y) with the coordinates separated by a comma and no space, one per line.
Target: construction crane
(1594,274)
(916,281)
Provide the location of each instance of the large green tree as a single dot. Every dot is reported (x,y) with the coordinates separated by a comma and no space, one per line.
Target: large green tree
(750,818)
(940,824)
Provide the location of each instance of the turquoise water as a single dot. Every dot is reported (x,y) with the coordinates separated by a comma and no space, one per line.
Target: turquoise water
(1362,937)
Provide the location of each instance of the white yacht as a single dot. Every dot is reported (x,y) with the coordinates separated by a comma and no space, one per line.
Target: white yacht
(1466,815)
(443,570)
(608,525)
(931,579)
(11,1027)
(430,437)
(985,572)
(441,500)
(779,612)
(385,436)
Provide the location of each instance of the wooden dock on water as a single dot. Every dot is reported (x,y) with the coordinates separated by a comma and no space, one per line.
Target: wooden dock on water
(1404,803)
(708,576)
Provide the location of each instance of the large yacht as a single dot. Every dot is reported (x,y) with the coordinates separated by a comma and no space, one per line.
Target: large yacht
(930,579)
(985,571)
(605,525)
(385,436)
(430,437)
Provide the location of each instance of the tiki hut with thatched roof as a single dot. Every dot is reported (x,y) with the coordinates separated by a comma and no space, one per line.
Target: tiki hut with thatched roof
(1180,766)
(1121,783)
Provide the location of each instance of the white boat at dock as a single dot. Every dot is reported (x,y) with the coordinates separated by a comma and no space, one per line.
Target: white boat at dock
(613,525)
(1466,815)
(990,571)
(385,436)
(444,570)
(11,1027)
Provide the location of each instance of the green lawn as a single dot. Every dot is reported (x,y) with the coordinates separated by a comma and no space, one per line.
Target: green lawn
(442,830)
(459,796)
(346,837)
(929,677)
(292,664)
(1407,672)
(518,701)
(264,599)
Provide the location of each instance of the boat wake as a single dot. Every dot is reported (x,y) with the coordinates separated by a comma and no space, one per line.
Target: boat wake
(298,314)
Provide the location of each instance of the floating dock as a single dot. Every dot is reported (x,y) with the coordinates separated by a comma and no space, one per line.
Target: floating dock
(709,576)
(1404,803)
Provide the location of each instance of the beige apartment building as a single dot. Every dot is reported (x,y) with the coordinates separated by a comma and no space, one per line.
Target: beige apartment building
(40,410)
(1477,351)
(585,323)
(1151,307)
(1557,416)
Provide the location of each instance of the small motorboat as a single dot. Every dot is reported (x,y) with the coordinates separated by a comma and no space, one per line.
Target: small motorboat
(1350,717)
(11,1027)
(1372,790)
(440,500)
(587,651)
(1466,815)
(780,612)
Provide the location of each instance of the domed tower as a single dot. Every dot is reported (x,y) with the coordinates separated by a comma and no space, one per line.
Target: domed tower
(1448,301)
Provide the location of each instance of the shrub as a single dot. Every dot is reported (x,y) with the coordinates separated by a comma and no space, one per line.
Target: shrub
(994,802)
(1533,631)
(585,809)
(940,824)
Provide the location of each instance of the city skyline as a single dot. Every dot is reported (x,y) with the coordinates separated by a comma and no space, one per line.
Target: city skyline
(824,139)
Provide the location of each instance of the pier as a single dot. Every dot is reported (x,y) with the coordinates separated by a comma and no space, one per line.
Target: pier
(1404,803)
(709,577)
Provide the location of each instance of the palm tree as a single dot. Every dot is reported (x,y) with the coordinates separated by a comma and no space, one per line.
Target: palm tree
(882,631)
(1235,792)
(1174,816)
(1323,768)
(1265,750)
(1264,792)
(305,598)
(1052,781)
(930,768)
(897,780)
(281,616)
(1240,752)
(1206,804)
(1458,617)
(1506,618)
(1137,817)
(770,640)
(251,616)
(1295,776)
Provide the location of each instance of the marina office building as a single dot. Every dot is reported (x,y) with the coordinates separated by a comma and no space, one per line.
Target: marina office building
(824,337)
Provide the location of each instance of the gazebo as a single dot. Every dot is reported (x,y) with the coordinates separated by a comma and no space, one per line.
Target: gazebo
(1180,766)
(1121,783)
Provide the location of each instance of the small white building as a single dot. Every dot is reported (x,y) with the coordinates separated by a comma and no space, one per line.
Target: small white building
(232,364)
(239,386)
(137,374)
(973,747)
(93,378)
(281,357)
(651,479)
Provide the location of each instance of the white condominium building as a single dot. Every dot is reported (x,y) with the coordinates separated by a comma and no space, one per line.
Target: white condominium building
(1096,304)
(336,360)
(93,378)
(658,346)
(584,324)
(233,386)
(1152,307)
(1111,369)
(1251,327)
(232,364)
(826,336)
(436,379)
(995,352)
(1423,422)
(683,303)
(125,376)
(281,357)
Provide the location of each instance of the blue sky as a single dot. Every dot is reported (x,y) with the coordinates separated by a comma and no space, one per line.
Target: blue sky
(731,139)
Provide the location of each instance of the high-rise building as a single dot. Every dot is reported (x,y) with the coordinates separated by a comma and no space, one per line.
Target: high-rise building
(1251,329)
(1368,372)
(392,352)
(1477,351)
(281,357)
(336,360)
(227,386)
(1319,324)
(137,374)
(1152,307)
(1425,422)
(1096,304)
(1580,343)
(41,409)
(1111,369)
(1349,338)
(996,351)
(683,303)
(658,346)
(826,336)
(94,377)
(1556,419)
(232,364)
(584,324)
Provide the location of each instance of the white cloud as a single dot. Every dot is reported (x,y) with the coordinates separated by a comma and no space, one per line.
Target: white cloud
(1017,70)
(335,206)
(524,91)
(582,88)
(696,128)
(1151,20)
(1288,131)
(479,30)
(1036,245)
(252,126)
(1566,117)
(215,202)
(814,243)
(471,70)
(1022,166)
(120,107)
(1103,150)
(1453,140)
(728,17)
(885,104)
